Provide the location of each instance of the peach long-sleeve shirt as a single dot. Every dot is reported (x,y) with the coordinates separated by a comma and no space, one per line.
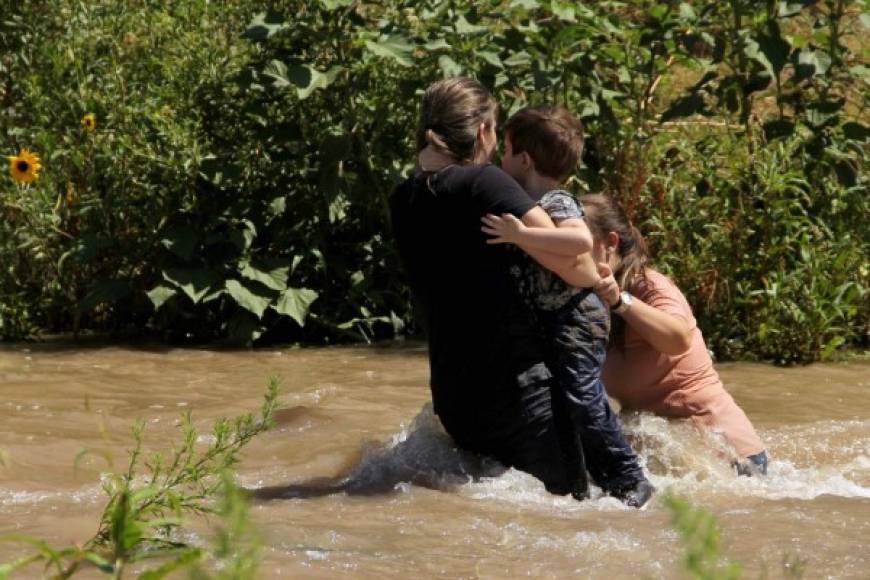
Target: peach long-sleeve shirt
(682,386)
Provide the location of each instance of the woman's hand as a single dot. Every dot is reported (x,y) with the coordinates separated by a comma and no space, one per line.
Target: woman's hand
(607,288)
(506,228)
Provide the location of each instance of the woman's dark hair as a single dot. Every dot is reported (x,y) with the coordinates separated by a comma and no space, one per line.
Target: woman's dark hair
(451,113)
(604,215)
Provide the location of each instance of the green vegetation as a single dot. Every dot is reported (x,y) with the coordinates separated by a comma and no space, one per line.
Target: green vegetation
(700,535)
(233,185)
(147,504)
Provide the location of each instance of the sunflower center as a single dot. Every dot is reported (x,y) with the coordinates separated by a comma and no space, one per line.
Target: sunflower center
(22,166)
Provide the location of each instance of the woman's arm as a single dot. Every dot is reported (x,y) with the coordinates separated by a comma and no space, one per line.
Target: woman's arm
(668,333)
(570,237)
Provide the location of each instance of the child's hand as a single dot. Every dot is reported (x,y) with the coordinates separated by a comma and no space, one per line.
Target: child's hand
(507,229)
(607,288)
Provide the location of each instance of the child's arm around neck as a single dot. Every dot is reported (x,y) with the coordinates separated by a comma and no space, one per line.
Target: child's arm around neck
(570,237)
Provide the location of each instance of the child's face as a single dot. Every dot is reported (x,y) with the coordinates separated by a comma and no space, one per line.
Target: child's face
(512,164)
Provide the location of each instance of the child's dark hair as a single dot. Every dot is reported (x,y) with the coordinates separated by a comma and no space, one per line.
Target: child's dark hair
(604,215)
(552,137)
(451,114)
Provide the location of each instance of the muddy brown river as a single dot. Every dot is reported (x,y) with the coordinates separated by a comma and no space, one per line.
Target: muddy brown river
(812,511)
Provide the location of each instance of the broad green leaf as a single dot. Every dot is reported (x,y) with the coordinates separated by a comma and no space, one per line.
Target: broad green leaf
(811,63)
(659,11)
(687,12)
(272,274)
(526,4)
(277,206)
(563,11)
(265,25)
(520,58)
(333,4)
(104,291)
(861,71)
(253,299)
(214,293)
(438,44)
(491,57)
(448,66)
(394,47)
(463,26)
(243,234)
(194,282)
(771,51)
(338,208)
(295,303)
(160,294)
(305,79)
(180,240)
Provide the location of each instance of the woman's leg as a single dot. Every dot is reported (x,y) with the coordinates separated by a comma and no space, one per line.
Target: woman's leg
(716,409)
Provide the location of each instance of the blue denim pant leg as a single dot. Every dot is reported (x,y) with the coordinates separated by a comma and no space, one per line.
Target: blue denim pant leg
(580,331)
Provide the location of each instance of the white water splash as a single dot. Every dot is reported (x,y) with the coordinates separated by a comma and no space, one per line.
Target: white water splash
(675,454)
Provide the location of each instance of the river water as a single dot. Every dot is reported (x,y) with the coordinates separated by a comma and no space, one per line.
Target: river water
(812,512)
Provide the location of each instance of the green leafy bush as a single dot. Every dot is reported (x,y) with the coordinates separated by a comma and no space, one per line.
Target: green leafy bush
(235,185)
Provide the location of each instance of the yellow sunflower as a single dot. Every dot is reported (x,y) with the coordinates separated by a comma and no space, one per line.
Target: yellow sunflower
(89,121)
(25,166)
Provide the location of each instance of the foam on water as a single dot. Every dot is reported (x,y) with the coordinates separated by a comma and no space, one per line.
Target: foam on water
(11,497)
(807,461)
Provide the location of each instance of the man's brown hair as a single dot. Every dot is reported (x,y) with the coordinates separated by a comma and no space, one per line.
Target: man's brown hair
(552,137)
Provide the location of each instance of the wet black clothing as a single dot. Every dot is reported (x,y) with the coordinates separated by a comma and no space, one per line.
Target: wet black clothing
(490,384)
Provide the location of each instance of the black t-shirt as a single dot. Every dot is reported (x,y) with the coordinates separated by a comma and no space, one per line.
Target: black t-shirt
(483,339)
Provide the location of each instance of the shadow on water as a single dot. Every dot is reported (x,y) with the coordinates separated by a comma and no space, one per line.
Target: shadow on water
(422,455)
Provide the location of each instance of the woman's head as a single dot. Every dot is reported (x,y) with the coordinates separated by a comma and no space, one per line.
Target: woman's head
(457,119)
(617,241)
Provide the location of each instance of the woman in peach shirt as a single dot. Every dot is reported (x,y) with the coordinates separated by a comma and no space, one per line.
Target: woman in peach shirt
(658,361)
